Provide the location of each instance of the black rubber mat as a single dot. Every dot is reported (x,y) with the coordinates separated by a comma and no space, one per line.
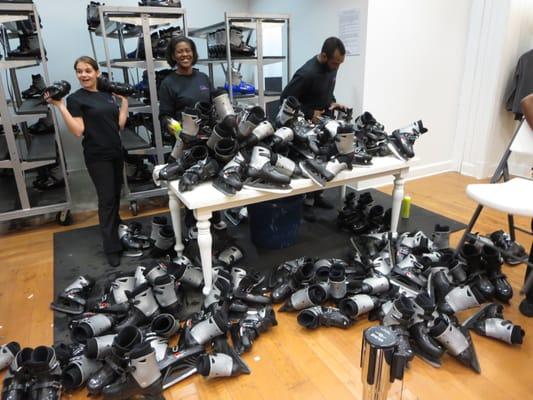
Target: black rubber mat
(79,252)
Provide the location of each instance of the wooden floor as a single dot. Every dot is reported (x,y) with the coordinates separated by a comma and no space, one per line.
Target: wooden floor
(289,362)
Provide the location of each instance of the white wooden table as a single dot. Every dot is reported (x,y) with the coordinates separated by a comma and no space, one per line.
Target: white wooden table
(204,199)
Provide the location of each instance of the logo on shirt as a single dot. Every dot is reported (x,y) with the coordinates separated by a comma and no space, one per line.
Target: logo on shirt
(203,87)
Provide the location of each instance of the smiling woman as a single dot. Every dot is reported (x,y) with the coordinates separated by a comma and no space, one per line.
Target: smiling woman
(98,117)
(182,89)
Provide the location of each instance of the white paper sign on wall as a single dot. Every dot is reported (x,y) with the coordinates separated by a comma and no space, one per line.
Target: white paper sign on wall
(350,30)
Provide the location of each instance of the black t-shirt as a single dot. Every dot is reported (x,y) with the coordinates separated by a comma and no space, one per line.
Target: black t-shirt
(313,85)
(99,110)
(179,91)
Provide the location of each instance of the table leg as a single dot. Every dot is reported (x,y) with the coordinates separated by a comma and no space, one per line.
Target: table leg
(342,196)
(205,243)
(397,197)
(175,216)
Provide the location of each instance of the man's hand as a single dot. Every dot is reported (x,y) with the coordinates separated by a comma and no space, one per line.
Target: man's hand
(316,116)
(337,106)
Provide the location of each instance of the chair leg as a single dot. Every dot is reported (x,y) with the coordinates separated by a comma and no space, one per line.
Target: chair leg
(468,229)
(510,220)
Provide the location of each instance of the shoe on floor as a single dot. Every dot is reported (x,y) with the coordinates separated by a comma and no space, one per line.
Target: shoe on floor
(113,259)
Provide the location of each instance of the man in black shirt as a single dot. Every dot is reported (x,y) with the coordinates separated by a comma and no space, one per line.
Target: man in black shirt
(313,85)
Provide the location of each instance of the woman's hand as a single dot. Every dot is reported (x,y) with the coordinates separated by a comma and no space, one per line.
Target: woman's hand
(121,98)
(51,101)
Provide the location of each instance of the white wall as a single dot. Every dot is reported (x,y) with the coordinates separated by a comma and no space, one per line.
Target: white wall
(415,55)
(500,32)
(312,21)
(66,38)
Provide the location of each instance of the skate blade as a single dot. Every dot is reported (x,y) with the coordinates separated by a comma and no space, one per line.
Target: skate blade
(177,376)
(256,184)
(316,178)
(72,310)
(223,188)
(470,321)
(434,363)
(395,151)
(132,253)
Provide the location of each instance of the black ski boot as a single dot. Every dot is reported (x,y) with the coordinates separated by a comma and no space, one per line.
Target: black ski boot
(313,295)
(316,316)
(189,158)
(91,326)
(250,118)
(295,273)
(164,288)
(249,327)
(73,299)
(402,140)
(472,255)
(513,252)
(186,273)
(17,376)
(397,316)
(8,353)
(423,344)
(143,307)
(441,237)
(457,342)
(142,377)
(165,325)
(231,177)
(45,373)
(116,361)
(489,321)
(201,171)
(451,299)
(98,348)
(223,362)
(36,88)
(78,371)
(359,304)
(204,330)
(493,266)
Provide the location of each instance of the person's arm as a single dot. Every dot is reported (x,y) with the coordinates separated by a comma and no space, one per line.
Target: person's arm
(167,105)
(74,123)
(527,109)
(123,111)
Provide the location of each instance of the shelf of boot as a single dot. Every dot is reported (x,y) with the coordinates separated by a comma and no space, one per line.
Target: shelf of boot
(41,148)
(4,150)
(32,107)
(241,23)
(137,105)
(252,60)
(10,63)
(12,17)
(112,31)
(128,63)
(133,15)
(132,141)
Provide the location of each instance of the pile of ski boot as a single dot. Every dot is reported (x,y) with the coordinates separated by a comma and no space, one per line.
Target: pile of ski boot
(120,339)
(242,148)
(361,215)
(414,284)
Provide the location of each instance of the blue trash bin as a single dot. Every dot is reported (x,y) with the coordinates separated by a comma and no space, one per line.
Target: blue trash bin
(275,224)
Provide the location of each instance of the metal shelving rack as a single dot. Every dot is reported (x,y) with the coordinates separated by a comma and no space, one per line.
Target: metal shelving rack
(248,22)
(24,152)
(112,20)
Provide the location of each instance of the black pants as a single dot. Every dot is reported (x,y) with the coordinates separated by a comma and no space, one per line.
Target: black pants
(107,178)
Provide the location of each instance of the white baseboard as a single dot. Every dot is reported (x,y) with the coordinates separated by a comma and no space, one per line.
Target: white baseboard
(416,172)
(481,171)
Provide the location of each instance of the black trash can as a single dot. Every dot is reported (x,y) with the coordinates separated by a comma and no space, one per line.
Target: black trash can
(275,224)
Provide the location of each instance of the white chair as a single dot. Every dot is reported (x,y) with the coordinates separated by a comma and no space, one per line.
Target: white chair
(512,196)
